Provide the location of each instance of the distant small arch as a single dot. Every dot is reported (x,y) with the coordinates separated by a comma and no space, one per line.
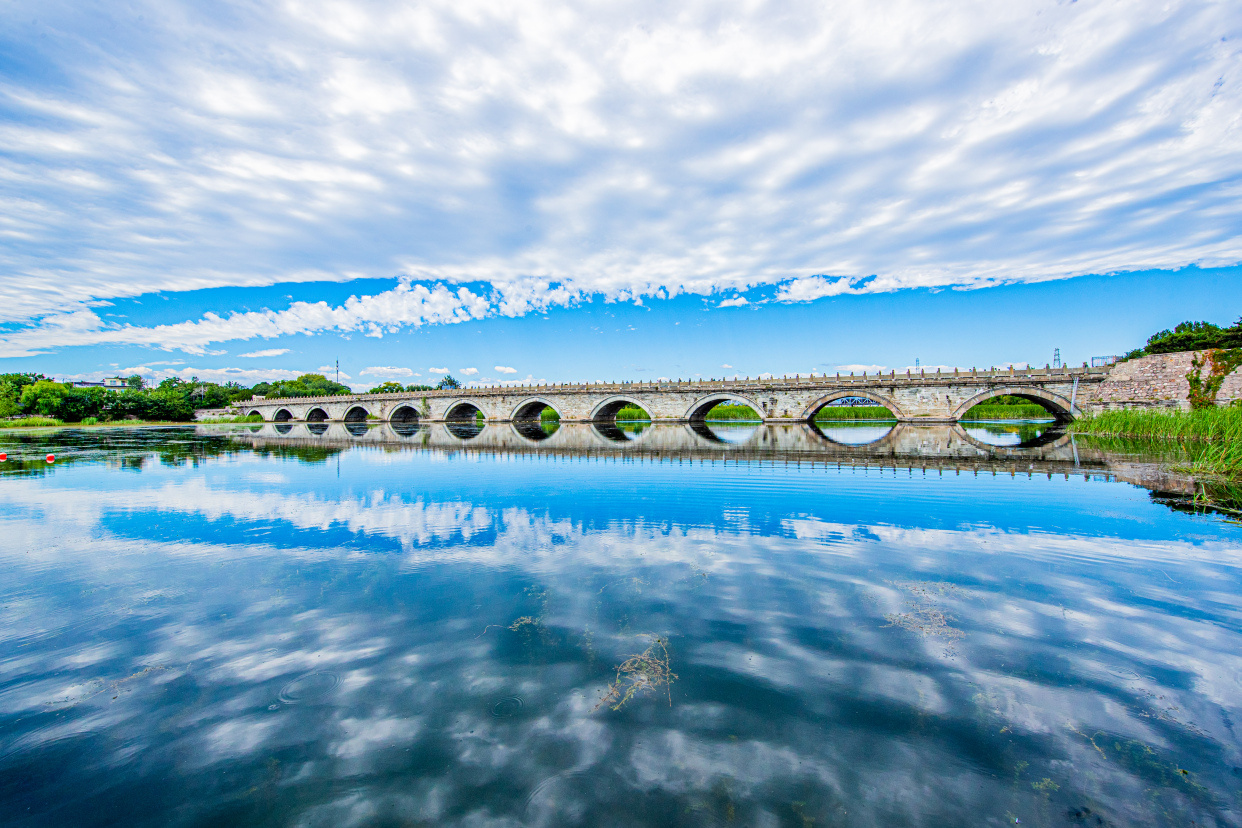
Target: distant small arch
(316,415)
(699,408)
(284,415)
(357,414)
(531,409)
(254,412)
(811,410)
(404,414)
(607,410)
(1055,404)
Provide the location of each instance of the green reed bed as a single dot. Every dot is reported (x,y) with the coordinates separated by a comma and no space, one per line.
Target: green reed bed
(1206,443)
(1008,412)
(834,413)
(31,422)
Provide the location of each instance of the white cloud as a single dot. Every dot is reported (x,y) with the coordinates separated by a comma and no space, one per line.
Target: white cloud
(270,352)
(727,365)
(663,149)
(505,369)
(438,370)
(386,372)
(406,304)
(735,302)
(332,372)
(470,372)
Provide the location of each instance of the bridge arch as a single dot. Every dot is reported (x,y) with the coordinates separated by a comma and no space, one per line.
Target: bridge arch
(1057,405)
(282,415)
(463,410)
(699,408)
(316,415)
(356,414)
(811,410)
(606,411)
(531,408)
(254,411)
(404,413)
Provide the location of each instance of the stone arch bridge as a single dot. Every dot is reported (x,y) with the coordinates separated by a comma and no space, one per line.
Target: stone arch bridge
(911,397)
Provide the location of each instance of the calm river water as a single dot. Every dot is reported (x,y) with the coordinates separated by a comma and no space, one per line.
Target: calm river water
(845,626)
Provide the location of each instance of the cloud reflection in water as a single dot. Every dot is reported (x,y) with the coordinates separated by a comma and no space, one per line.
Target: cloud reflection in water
(1096,657)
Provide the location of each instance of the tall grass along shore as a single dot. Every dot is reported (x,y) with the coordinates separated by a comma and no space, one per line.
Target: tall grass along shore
(1211,438)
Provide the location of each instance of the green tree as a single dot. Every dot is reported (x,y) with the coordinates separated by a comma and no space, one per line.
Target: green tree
(136,381)
(43,398)
(447,382)
(389,387)
(1192,336)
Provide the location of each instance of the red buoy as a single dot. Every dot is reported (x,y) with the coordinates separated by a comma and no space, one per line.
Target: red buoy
(51,458)
(3,457)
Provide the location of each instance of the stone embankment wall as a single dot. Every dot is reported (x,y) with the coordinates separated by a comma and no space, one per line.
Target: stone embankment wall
(1157,381)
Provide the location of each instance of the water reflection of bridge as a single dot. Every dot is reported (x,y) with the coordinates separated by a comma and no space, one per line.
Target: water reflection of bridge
(945,447)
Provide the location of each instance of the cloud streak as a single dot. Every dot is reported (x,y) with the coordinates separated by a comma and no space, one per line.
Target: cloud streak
(553,153)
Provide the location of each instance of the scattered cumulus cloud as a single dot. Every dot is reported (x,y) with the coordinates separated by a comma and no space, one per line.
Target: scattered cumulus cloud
(270,352)
(735,302)
(727,365)
(559,155)
(438,370)
(505,369)
(470,372)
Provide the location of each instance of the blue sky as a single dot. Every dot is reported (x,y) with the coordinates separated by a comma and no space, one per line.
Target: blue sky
(585,191)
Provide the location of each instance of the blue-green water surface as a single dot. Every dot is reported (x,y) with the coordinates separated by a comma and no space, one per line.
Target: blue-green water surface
(198,630)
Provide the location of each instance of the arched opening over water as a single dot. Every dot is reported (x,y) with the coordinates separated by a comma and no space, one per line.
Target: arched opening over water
(536,419)
(725,419)
(724,408)
(284,415)
(316,415)
(848,406)
(357,414)
(254,412)
(464,412)
(405,414)
(1016,404)
(622,414)
(852,419)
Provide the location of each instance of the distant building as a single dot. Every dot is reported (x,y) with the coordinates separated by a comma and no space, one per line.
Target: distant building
(106,382)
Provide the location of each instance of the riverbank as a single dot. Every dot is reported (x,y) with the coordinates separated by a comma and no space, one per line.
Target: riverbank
(91,422)
(1206,444)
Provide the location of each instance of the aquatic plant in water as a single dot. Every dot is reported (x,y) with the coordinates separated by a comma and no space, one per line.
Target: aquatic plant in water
(645,672)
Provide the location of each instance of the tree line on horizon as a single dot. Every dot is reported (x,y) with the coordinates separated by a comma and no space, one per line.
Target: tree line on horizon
(173,399)
(1191,336)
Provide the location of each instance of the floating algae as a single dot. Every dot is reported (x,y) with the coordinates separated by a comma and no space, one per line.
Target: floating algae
(642,673)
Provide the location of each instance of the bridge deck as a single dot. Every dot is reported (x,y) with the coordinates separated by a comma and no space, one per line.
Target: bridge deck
(742,387)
